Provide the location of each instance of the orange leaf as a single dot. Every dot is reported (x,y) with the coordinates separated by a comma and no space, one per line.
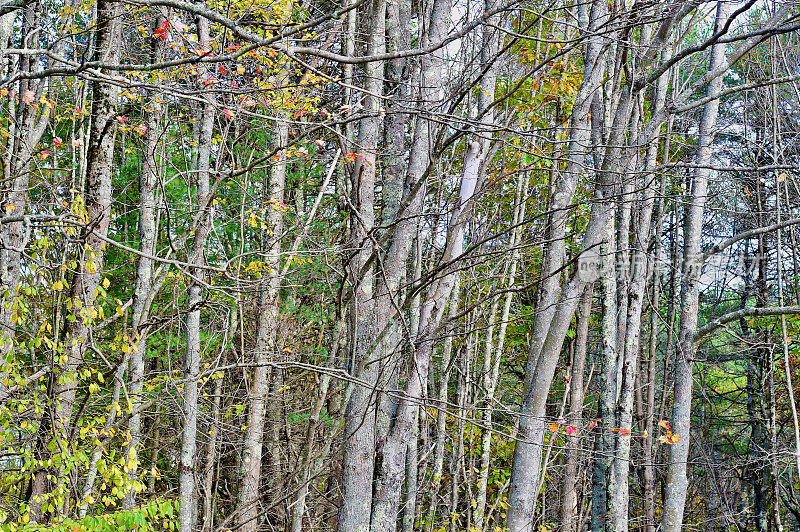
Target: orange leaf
(553,427)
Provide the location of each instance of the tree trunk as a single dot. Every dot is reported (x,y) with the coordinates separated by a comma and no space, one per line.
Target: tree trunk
(677,481)
(188,462)
(142,294)
(97,201)
(570,511)
(266,348)
(359,432)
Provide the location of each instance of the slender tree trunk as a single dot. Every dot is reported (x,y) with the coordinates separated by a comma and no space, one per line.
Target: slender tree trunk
(359,432)
(269,305)
(188,461)
(211,455)
(570,511)
(441,405)
(491,370)
(148,234)
(677,481)
(632,331)
(602,488)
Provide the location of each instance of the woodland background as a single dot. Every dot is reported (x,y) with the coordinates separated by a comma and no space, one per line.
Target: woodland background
(418,265)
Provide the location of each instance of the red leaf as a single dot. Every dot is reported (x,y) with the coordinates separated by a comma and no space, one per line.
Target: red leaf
(57,141)
(162,31)
(571,430)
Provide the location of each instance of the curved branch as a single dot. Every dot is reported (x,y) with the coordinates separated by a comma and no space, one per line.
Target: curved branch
(713,325)
(748,234)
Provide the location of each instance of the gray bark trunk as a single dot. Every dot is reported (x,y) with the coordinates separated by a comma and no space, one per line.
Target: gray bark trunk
(188,463)
(677,481)
(249,491)
(570,514)
(633,321)
(359,432)
(148,231)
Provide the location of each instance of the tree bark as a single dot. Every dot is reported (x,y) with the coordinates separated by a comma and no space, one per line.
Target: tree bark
(188,463)
(677,481)
(266,348)
(570,511)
